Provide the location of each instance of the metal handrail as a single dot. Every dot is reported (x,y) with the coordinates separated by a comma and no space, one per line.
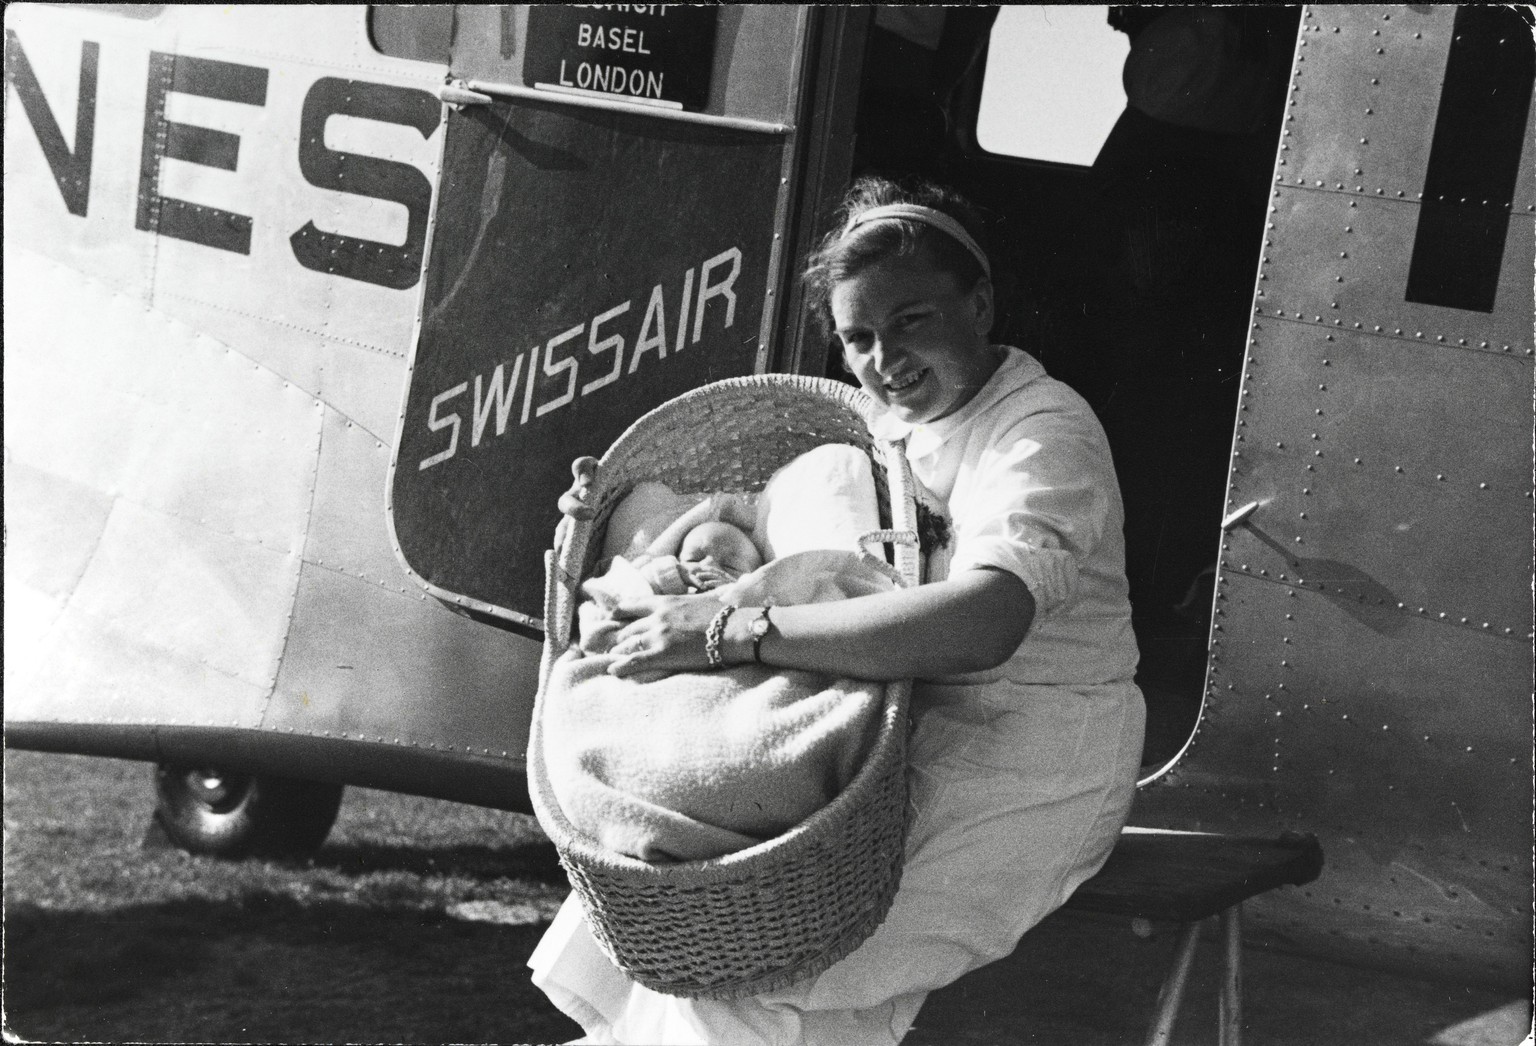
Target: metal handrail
(479,92)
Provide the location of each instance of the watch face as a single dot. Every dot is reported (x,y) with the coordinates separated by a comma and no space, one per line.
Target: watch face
(760,626)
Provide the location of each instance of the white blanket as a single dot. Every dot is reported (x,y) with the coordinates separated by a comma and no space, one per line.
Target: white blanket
(700,764)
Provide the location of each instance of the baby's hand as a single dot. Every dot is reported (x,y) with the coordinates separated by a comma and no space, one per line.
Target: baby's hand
(704,578)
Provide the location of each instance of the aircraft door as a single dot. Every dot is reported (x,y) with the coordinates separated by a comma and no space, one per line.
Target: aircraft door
(615,192)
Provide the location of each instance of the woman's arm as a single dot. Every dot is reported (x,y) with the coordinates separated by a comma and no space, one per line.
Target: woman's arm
(970,622)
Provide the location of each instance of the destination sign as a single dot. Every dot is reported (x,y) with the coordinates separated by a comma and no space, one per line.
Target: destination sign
(657,54)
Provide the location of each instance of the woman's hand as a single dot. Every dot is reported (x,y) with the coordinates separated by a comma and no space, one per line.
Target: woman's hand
(573,503)
(666,634)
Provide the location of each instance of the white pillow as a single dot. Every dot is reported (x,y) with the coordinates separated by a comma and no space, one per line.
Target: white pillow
(824,499)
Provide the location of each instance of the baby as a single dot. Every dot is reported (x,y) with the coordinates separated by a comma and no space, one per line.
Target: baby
(709,554)
(712,554)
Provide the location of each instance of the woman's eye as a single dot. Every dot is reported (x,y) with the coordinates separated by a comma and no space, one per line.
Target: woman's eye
(911,319)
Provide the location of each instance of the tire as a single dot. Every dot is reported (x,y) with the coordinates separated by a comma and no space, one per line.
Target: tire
(205,810)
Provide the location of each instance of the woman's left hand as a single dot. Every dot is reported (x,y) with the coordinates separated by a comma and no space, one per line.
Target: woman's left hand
(665,635)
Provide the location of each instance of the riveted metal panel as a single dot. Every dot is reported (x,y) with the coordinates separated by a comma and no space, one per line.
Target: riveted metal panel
(156,411)
(1367,79)
(54,42)
(347,529)
(1343,263)
(1371,660)
(1376,479)
(1423,807)
(185,588)
(1362,113)
(52,528)
(104,672)
(436,684)
(166,606)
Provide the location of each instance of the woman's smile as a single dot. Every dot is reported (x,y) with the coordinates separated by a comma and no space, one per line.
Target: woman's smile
(900,384)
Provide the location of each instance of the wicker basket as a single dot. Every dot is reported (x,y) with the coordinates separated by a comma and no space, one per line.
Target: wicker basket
(784,910)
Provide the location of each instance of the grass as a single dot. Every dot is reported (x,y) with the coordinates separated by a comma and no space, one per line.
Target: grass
(107,940)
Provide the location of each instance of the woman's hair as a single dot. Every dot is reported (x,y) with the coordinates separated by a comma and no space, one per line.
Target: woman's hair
(843,253)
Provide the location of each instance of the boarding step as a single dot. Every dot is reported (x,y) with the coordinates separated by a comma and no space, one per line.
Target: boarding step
(1187,878)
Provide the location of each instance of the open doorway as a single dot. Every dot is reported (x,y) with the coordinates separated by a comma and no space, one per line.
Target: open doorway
(1125,156)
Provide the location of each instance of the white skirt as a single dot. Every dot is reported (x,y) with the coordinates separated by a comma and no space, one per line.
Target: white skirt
(1020,794)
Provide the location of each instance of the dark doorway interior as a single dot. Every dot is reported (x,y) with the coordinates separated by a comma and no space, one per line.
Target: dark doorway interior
(1130,279)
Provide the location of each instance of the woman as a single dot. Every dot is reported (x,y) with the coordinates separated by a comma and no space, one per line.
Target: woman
(1028,727)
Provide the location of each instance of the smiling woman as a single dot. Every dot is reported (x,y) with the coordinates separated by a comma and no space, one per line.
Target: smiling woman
(1028,727)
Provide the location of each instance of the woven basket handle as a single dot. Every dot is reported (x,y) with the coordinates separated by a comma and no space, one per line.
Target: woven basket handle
(870,551)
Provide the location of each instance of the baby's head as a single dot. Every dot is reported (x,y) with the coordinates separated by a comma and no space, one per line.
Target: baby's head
(721,546)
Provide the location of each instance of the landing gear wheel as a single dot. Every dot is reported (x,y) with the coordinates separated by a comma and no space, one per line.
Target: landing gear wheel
(205,810)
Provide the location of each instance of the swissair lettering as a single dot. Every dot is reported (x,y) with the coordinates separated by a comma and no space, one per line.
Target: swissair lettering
(556,365)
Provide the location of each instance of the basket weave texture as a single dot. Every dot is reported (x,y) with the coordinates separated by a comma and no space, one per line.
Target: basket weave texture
(785,910)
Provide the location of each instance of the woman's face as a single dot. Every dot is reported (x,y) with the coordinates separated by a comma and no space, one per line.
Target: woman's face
(915,339)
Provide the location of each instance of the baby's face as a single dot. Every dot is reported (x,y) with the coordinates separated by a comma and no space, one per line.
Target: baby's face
(722,547)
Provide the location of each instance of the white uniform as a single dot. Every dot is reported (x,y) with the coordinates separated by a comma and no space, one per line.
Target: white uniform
(1021,776)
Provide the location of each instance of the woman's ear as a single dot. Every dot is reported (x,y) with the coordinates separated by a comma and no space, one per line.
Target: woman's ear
(982,296)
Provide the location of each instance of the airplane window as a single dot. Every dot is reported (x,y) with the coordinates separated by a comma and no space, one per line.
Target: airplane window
(422,32)
(1052,89)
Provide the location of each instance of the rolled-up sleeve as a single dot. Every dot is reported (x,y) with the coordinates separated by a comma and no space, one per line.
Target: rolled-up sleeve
(1035,502)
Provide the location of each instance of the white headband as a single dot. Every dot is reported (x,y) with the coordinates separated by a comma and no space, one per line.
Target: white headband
(928,216)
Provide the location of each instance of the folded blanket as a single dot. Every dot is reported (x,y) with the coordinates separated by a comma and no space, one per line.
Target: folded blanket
(699,764)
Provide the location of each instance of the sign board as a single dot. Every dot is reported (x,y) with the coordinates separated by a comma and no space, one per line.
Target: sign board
(657,54)
(585,267)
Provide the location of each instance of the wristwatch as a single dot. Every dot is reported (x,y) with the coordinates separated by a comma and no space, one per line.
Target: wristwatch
(759,628)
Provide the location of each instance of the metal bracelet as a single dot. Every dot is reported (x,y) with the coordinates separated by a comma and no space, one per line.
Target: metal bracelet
(714,634)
